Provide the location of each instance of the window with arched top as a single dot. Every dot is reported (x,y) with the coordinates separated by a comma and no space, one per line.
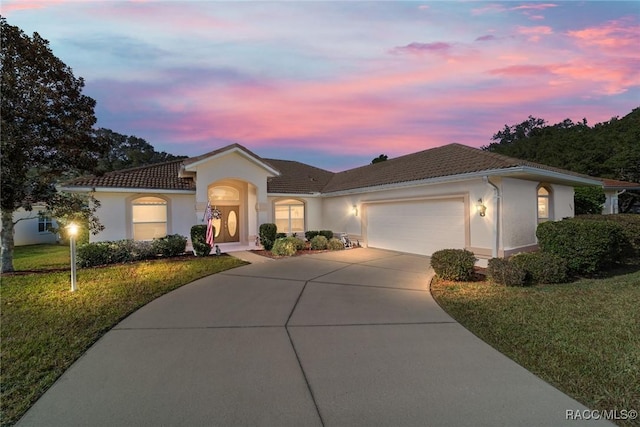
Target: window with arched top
(289,215)
(149,218)
(545,207)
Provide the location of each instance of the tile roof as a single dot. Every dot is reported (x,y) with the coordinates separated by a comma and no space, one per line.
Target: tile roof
(448,160)
(161,176)
(300,178)
(613,183)
(297,177)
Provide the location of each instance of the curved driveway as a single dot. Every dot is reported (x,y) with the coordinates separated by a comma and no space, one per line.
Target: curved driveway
(337,339)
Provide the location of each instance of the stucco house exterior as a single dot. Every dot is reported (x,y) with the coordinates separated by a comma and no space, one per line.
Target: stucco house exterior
(612,189)
(33,229)
(452,196)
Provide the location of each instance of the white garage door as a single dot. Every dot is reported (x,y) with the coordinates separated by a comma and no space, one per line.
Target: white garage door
(420,227)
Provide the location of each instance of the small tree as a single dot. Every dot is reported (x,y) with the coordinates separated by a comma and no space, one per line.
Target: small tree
(380,158)
(588,200)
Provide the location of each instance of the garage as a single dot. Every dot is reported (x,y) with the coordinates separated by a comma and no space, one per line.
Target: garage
(420,227)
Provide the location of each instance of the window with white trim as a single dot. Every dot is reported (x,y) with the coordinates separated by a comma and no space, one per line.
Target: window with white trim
(289,216)
(149,217)
(44,223)
(545,208)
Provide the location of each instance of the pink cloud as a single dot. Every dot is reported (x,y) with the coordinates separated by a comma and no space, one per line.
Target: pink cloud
(521,70)
(535,33)
(534,6)
(621,34)
(9,7)
(420,48)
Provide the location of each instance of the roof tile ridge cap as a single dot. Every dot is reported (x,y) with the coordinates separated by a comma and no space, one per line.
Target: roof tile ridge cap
(299,163)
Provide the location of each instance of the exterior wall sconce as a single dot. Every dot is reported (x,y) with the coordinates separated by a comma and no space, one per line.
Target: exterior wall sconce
(481,208)
(355,210)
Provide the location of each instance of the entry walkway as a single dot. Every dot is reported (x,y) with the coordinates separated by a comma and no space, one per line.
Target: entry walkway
(350,338)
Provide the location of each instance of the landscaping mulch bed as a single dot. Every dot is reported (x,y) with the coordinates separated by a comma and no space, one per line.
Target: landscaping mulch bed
(268,254)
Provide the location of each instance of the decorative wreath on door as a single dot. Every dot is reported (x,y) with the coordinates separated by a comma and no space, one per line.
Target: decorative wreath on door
(216,214)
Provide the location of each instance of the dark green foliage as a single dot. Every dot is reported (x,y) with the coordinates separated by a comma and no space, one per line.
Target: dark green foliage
(630,224)
(171,245)
(281,235)
(268,232)
(311,234)
(453,264)
(198,240)
(380,158)
(326,233)
(286,246)
(127,152)
(587,246)
(113,252)
(319,243)
(505,272)
(606,150)
(542,267)
(335,244)
(589,200)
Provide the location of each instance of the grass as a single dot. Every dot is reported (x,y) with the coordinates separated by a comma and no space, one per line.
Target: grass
(581,337)
(41,257)
(45,327)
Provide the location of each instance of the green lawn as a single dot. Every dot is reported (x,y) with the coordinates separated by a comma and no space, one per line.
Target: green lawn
(582,337)
(41,257)
(45,327)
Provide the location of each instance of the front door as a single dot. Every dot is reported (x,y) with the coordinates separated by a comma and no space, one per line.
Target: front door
(228,225)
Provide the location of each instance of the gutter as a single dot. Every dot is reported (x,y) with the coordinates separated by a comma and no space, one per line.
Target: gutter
(496,216)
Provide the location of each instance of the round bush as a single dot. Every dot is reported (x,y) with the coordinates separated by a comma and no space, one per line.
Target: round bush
(504,272)
(198,240)
(319,243)
(453,264)
(268,232)
(335,244)
(171,245)
(285,246)
(542,267)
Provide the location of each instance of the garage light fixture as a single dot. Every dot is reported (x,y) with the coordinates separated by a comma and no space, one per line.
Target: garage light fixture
(355,210)
(481,208)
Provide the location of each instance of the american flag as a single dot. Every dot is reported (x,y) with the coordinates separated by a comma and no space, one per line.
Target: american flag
(208,216)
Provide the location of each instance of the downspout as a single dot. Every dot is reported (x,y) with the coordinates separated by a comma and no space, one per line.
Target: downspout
(496,216)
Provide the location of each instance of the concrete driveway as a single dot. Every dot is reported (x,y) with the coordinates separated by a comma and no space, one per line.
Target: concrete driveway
(337,339)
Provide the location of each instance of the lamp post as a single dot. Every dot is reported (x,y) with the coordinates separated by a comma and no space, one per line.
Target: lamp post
(73,231)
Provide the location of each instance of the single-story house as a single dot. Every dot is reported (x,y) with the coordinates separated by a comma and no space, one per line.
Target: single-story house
(452,196)
(33,229)
(612,189)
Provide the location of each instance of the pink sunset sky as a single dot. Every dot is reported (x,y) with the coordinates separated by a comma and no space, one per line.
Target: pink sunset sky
(335,84)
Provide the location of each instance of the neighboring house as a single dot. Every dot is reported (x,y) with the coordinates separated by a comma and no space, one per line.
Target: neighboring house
(448,197)
(32,229)
(612,189)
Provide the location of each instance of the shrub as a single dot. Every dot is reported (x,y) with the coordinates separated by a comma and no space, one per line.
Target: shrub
(588,200)
(198,240)
(101,253)
(300,244)
(506,272)
(285,246)
(319,243)
(335,244)
(453,264)
(326,233)
(93,254)
(587,246)
(171,245)
(311,234)
(630,227)
(268,233)
(542,267)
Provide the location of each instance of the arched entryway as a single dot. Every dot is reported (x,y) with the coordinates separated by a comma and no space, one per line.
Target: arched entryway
(230,199)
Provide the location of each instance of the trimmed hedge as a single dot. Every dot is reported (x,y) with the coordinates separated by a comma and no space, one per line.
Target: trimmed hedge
(112,252)
(319,243)
(542,267)
(587,246)
(198,240)
(171,245)
(309,235)
(335,244)
(453,264)
(505,272)
(630,227)
(268,232)
(284,246)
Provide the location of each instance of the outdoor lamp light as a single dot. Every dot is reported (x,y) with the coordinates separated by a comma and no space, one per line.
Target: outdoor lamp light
(355,210)
(481,208)
(73,232)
